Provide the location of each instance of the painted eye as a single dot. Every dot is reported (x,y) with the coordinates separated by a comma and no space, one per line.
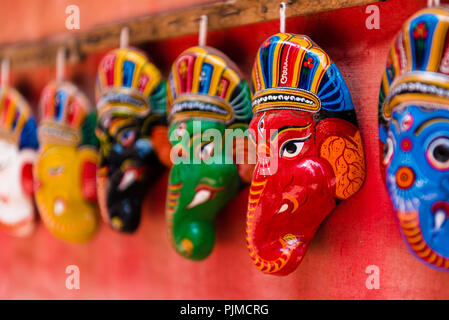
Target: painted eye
(181,129)
(106,122)
(128,137)
(206,151)
(4,163)
(56,170)
(388,151)
(291,148)
(438,153)
(261,125)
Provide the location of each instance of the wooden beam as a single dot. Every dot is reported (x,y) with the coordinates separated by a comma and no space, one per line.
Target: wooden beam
(221,15)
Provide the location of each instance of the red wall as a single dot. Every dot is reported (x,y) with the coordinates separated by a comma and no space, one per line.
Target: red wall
(361,232)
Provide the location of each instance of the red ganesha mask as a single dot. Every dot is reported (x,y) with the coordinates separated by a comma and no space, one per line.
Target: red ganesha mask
(309,150)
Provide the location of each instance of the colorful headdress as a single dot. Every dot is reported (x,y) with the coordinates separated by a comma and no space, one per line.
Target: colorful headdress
(418,63)
(292,72)
(63,111)
(16,120)
(128,82)
(204,83)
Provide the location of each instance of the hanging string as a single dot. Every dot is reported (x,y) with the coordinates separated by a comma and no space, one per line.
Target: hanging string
(124,37)
(5,72)
(60,64)
(282,16)
(203,31)
(433,3)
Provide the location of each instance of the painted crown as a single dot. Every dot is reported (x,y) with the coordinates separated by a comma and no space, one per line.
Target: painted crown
(63,110)
(292,72)
(15,114)
(128,82)
(418,63)
(204,83)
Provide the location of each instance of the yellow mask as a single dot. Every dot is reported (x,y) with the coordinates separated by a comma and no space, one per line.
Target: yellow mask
(60,172)
(65,170)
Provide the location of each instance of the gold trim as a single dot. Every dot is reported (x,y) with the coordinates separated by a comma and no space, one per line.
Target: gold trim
(397,97)
(286,98)
(51,132)
(108,103)
(209,103)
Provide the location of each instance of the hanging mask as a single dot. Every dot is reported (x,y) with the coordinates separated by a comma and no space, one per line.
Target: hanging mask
(65,171)
(414,134)
(18,144)
(309,150)
(133,136)
(206,97)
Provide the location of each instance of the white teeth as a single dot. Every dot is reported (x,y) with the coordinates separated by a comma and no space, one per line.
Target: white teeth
(59,207)
(128,178)
(283,208)
(200,197)
(440,217)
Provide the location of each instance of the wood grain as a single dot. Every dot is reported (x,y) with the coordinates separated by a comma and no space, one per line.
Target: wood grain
(221,15)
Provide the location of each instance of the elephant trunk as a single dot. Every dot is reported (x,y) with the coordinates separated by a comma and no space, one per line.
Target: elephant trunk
(286,252)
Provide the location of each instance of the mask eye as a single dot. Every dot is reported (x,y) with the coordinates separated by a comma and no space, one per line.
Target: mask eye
(56,170)
(388,151)
(291,148)
(106,122)
(438,153)
(206,151)
(261,125)
(128,137)
(181,129)
(4,163)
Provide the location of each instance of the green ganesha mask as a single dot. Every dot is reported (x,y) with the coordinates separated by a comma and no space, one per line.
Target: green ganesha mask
(209,103)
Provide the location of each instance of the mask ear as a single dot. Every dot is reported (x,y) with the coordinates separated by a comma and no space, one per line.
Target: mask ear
(245,160)
(89,161)
(243,153)
(27,157)
(340,143)
(159,138)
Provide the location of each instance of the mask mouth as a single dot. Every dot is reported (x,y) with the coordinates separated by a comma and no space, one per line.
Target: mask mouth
(440,212)
(203,193)
(291,241)
(59,206)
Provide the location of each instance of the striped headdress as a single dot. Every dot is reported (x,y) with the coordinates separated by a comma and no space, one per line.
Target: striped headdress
(204,83)
(292,72)
(418,63)
(63,111)
(128,83)
(17,124)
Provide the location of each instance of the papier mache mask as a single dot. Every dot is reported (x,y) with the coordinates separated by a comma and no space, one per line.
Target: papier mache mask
(414,133)
(309,150)
(65,171)
(18,144)
(133,134)
(207,95)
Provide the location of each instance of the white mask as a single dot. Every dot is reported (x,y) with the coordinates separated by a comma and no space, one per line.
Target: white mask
(16,203)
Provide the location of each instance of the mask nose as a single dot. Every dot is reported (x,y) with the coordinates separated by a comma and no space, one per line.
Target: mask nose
(405,177)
